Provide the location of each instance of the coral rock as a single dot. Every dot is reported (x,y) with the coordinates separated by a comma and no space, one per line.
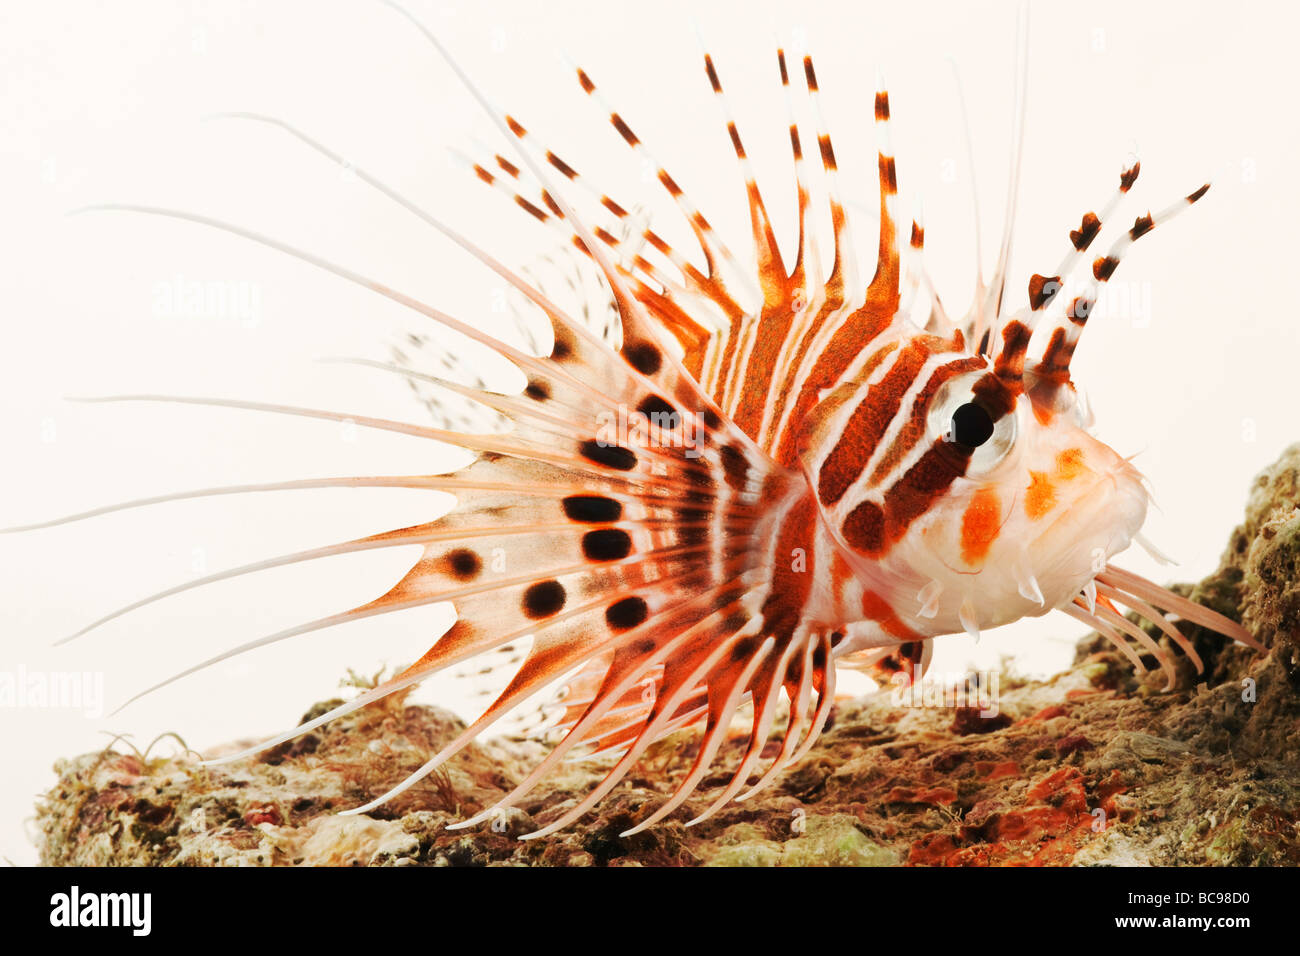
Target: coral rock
(1091,767)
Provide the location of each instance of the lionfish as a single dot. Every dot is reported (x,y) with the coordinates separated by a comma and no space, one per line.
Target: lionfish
(809,471)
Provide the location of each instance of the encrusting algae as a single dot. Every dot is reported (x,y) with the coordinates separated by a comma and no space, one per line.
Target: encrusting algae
(1092,767)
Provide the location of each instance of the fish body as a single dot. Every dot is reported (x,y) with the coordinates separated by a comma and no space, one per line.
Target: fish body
(742,474)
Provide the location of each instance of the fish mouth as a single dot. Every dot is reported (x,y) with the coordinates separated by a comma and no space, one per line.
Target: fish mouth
(1116,501)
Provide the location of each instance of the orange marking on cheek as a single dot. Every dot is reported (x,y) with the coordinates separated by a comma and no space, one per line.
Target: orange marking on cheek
(877,609)
(1069,464)
(979,525)
(1040,496)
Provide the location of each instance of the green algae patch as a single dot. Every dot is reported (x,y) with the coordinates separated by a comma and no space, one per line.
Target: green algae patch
(835,841)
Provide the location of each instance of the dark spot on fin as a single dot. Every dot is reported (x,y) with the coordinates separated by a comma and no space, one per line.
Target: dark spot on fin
(643,357)
(463,564)
(606,544)
(592,508)
(734,466)
(543,599)
(626,614)
(660,412)
(562,349)
(611,456)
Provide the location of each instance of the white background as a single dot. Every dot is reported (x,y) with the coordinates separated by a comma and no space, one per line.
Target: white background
(104,102)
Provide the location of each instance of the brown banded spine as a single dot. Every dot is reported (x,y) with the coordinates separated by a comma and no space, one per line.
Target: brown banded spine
(1082,237)
(1042,289)
(1010,362)
(1129,176)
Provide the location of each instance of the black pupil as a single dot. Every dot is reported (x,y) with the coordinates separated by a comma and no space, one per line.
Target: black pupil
(972,425)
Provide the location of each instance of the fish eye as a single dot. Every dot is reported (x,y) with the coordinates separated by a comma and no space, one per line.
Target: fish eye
(957,416)
(971,425)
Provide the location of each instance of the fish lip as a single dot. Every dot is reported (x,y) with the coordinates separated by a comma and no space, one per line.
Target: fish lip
(1063,562)
(1111,481)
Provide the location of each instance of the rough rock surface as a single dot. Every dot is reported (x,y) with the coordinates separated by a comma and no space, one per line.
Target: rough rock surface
(1095,766)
